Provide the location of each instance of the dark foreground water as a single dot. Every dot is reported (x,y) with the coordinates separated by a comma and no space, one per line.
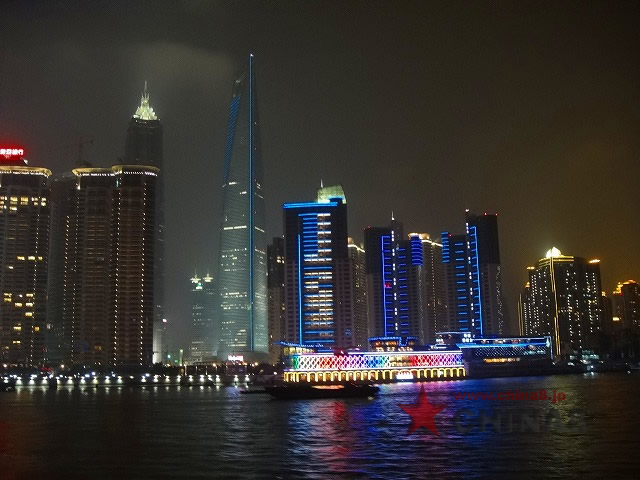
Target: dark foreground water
(218,433)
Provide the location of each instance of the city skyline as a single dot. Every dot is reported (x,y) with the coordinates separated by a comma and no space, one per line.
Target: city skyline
(579,143)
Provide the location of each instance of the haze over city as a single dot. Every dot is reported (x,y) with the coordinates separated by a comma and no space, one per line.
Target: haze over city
(424,110)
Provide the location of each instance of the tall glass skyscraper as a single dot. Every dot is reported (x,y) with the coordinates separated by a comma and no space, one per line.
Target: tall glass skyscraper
(243,267)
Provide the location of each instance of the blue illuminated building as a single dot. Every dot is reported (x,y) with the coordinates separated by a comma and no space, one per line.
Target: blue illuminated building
(474,277)
(243,268)
(394,268)
(317,272)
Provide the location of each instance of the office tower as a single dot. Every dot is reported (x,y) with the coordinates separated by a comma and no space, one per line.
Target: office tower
(626,304)
(564,301)
(474,277)
(436,316)
(316,273)
(24,251)
(203,310)
(242,279)
(356,304)
(395,282)
(109,267)
(144,147)
(275,289)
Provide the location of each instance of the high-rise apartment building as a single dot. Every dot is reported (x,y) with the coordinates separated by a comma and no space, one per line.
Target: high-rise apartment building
(626,303)
(62,186)
(474,277)
(436,316)
(356,302)
(204,335)
(275,293)
(242,278)
(143,146)
(525,313)
(109,267)
(395,282)
(24,251)
(563,300)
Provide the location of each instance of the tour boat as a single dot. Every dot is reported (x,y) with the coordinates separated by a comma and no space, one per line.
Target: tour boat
(294,391)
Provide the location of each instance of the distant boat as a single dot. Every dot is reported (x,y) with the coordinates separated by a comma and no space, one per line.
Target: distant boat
(303,391)
(250,392)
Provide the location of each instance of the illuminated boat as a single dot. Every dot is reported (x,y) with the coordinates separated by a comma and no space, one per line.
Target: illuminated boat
(299,391)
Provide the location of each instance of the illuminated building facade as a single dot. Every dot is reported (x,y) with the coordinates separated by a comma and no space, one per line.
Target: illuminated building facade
(436,315)
(392,344)
(525,308)
(242,278)
(474,277)
(564,302)
(318,284)
(24,251)
(395,282)
(275,293)
(356,305)
(505,356)
(143,146)
(109,267)
(204,335)
(626,304)
(62,187)
(374,366)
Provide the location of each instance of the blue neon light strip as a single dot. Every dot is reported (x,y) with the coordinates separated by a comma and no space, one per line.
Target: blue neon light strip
(299,293)
(477,276)
(310,205)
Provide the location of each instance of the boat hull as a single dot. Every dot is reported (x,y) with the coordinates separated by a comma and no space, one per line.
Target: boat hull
(301,392)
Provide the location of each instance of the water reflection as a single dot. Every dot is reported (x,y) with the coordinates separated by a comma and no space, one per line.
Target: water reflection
(218,433)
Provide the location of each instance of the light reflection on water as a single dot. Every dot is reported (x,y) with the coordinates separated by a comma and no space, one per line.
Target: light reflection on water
(218,433)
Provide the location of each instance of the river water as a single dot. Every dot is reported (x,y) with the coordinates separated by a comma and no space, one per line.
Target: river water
(177,432)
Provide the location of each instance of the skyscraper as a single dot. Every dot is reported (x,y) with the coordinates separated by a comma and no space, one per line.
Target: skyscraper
(109,267)
(474,277)
(436,317)
(242,279)
(275,288)
(24,251)
(525,314)
(626,303)
(395,282)
(203,310)
(144,147)
(62,187)
(316,272)
(563,301)
(356,304)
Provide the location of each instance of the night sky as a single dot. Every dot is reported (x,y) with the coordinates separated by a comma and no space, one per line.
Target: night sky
(526,109)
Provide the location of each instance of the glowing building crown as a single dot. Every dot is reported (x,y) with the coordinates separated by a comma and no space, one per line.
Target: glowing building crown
(144,110)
